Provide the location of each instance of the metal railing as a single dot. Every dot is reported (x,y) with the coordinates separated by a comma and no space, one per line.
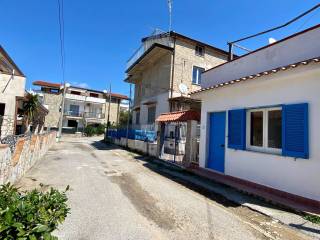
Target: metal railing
(84,114)
(166,41)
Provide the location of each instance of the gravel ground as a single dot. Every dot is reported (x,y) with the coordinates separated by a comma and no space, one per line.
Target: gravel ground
(115,195)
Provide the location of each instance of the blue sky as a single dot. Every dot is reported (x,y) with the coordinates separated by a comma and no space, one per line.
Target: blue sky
(101,35)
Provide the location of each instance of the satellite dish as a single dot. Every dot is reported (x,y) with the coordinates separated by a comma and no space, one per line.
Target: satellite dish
(183,88)
(272,40)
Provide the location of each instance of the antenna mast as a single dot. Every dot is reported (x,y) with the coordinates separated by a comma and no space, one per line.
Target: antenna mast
(170,14)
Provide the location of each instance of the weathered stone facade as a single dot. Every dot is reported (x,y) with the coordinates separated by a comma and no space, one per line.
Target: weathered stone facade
(27,152)
(13,88)
(53,102)
(159,73)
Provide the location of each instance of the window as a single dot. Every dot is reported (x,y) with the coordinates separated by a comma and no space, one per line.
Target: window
(75,92)
(2,109)
(277,130)
(196,76)
(151,114)
(200,51)
(137,117)
(74,110)
(264,129)
(54,90)
(96,95)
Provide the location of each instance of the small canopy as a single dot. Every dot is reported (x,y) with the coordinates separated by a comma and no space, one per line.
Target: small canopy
(181,116)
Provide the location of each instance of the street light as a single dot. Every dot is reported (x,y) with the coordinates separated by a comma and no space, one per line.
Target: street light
(64,87)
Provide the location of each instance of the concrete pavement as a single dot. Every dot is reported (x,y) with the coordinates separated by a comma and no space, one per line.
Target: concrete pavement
(115,195)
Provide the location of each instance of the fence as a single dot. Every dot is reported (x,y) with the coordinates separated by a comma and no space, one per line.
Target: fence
(134,134)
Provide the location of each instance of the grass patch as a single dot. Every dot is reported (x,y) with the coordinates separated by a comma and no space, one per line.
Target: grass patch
(312,218)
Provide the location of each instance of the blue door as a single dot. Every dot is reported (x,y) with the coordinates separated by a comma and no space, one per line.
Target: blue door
(217,141)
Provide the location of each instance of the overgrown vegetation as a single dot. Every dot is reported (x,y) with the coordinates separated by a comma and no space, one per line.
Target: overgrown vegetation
(31,215)
(312,218)
(91,130)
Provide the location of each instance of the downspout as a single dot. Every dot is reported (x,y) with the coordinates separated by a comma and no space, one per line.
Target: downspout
(172,70)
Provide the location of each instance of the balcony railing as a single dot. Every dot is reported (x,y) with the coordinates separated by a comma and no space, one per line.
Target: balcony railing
(166,41)
(84,114)
(94,115)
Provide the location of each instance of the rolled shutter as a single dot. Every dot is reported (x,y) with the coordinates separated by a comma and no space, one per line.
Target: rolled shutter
(295,132)
(237,129)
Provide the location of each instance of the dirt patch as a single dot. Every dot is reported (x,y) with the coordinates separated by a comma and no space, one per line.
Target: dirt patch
(144,202)
(83,147)
(94,155)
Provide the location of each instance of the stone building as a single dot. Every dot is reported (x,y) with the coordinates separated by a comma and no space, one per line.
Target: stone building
(12,91)
(164,70)
(82,106)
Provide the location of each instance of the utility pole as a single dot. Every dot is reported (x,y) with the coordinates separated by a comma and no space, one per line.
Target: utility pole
(108,119)
(129,114)
(65,85)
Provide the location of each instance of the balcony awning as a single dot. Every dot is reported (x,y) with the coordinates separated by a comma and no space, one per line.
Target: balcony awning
(181,116)
(155,52)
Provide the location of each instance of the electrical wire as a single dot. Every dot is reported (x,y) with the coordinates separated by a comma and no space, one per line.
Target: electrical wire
(61,36)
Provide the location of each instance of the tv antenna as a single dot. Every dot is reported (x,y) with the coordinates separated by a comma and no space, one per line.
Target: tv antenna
(170,2)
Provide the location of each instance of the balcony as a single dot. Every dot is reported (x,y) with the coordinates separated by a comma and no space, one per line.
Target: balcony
(95,100)
(94,115)
(75,97)
(165,42)
(79,114)
(76,114)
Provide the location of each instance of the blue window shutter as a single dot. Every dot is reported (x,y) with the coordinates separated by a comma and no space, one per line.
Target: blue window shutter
(237,129)
(295,130)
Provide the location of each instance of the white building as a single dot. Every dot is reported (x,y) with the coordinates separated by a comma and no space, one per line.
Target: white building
(260,117)
(12,85)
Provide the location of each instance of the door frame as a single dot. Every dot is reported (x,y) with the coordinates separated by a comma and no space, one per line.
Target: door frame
(209,139)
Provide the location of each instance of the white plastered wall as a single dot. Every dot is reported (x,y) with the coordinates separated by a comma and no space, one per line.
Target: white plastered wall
(296,176)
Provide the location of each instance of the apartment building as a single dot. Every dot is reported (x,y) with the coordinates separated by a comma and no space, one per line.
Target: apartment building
(12,91)
(164,70)
(82,106)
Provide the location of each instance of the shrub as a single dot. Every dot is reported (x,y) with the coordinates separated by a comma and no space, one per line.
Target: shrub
(31,215)
(90,131)
(100,129)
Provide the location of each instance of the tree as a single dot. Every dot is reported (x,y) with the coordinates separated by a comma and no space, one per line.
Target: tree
(123,118)
(30,108)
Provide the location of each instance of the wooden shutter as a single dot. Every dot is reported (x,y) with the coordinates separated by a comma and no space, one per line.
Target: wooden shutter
(237,129)
(295,132)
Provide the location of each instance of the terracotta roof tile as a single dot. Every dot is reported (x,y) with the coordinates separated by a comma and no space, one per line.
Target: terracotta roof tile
(181,116)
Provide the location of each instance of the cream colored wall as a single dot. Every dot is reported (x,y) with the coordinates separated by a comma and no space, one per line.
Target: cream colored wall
(185,59)
(114,112)
(154,80)
(15,88)
(53,101)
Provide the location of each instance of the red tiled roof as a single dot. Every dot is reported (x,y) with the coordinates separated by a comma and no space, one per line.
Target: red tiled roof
(117,95)
(46,84)
(260,74)
(181,116)
(57,85)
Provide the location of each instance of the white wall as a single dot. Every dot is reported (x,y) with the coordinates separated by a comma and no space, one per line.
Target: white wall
(300,176)
(301,47)
(162,106)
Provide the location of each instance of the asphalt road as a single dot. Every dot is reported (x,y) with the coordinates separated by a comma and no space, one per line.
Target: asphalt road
(114,195)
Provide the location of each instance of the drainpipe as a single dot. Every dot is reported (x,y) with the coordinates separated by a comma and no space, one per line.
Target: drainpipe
(172,70)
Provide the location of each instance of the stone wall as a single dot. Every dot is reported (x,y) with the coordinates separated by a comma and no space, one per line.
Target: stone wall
(28,150)
(53,101)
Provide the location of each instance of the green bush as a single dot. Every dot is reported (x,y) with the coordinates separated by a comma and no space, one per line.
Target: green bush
(90,131)
(100,129)
(31,215)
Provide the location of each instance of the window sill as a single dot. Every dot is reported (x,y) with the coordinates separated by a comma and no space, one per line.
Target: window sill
(259,151)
